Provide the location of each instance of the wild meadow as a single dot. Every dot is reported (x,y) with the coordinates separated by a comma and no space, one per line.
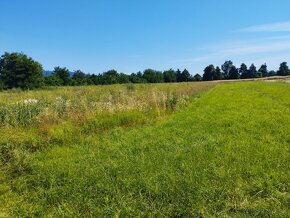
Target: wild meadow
(146,150)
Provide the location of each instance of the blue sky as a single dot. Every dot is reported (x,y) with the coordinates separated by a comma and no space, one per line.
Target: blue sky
(132,35)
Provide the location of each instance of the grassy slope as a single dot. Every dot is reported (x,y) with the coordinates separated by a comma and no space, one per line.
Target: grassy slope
(226,154)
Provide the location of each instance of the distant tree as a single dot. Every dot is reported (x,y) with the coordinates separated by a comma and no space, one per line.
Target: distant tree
(169,76)
(283,69)
(110,77)
(139,74)
(253,71)
(153,76)
(197,77)
(96,79)
(226,67)
(133,78)
(90,79)
(63,74)
(185,76)
(243,71)
(123,78)
(178,76)
(159,77)
(19,71)
(209,72)
(137,78)
(234,73)
(52,80)
(272,73)
(263,71)
(217,74)
(80,78)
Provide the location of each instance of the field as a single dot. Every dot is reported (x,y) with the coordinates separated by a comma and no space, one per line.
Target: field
(164,150)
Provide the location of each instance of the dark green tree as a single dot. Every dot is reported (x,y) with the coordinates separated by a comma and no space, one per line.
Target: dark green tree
(185,76)
(178,76)
(96,79)
(209,72)
(197,77)
(217,74)
(244,71)
(263,71)
(253,71)
(63,74)
(90,79)
(226,67)
(123,78)
(80,78)
(20,71)
(272,73)
(169,76)
(153,76)
(110,77)
(137,78)
(234,73)
(283,69)
(52,80)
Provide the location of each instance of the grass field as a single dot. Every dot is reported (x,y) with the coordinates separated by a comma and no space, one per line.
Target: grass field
(166,150)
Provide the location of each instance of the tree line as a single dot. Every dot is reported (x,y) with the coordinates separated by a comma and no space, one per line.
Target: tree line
(229,71)
(17,70)
(61,76)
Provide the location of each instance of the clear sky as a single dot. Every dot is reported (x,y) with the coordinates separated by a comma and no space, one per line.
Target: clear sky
(132,35)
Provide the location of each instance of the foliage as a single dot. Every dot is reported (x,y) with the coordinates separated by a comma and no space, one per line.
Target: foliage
(263,71)
(153,76)
(19,71)
(197,77)
(253,71)
(209,73)
(243,71)
(217,74)
(226,67)
(79,78)
(185,76)
(63,75)
(284,69)
(170,76)
(52,80)
(234,73)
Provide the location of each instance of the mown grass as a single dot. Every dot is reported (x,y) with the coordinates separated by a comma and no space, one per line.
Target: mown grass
(226,154)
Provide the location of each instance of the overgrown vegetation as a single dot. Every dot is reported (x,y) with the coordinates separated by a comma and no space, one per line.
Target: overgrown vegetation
(79,104)
(99,152)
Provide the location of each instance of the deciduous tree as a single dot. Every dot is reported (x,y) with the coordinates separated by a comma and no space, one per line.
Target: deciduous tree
(244,71)
(226,67)
(63,74)
(20,71)
(234,73)
(263,71)
(209,72)
(283,69)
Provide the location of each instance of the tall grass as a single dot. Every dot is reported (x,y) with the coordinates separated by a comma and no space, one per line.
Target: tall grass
(36,120)
(77,104)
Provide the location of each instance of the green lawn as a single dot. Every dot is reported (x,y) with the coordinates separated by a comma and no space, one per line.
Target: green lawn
(226,154)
